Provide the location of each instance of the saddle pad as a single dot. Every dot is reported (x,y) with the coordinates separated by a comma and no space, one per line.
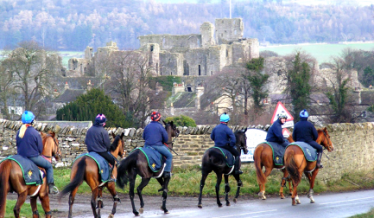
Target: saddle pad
(102,164)
(154,158)
(309,152)
(278,152)
(31,173)
(230,159)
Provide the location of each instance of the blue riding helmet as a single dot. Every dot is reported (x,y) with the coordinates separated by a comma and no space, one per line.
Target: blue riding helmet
(224,118)
(27,117)
(304,113)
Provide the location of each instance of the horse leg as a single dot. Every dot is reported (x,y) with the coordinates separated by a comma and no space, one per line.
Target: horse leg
(71,202)
(311,179)
(143,184)
(283,183)
(202,183)
(240,184)
(227,190)
(100,203)
(34,208)
(45,204)
(262,188)
(132,177)
(165,195)
(95,193)
(21,199)
(219,179)
(112,190)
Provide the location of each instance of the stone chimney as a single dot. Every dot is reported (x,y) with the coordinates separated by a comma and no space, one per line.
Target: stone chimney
(171,109)
(89,85)
(66,85)
(199,93)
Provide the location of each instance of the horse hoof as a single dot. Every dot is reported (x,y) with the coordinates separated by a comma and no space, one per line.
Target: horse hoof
(312,200)
(263,197)
(235,200)
(141,210)
(166,212)
(136,213)
(298,202)
(200,206)
(111,216)
(294,204)
(219,205)
(228,204)
(282,196)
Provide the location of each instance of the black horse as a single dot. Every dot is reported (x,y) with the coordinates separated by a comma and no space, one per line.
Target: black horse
(136,163)
(213,160)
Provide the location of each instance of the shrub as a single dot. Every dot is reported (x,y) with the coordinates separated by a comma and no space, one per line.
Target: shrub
(182,120)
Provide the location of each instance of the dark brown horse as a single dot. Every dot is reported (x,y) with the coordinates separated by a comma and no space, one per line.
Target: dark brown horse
(85,169)
(296,164)
(11,180)
(136,163)
(213,160)
(263,157)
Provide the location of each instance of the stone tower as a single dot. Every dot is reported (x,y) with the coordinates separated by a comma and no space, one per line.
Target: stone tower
(154,58)
(228,30)
(207,34)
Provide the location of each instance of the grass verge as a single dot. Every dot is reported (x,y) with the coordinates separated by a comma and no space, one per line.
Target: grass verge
(25,209)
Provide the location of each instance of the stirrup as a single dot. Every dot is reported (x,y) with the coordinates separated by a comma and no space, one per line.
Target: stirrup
(53,190)
(238,172)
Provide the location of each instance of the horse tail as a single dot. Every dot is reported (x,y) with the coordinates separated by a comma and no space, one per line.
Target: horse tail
(261,179)
(124,167)
(292,167)
(77,180)
(4,181)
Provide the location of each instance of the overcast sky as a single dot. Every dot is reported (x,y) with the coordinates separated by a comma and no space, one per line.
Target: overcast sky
(304,2)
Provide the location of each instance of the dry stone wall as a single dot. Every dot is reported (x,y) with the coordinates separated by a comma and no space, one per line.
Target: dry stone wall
(354,145)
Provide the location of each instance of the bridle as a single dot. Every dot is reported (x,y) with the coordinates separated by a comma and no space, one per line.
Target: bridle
(55,150)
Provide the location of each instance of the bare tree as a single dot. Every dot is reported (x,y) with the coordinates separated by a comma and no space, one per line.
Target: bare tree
(31,68)
(6,90)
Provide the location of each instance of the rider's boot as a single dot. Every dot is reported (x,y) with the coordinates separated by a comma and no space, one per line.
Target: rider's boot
(319,165)
(113,175)
(167,175)
(237,166)
(53,189)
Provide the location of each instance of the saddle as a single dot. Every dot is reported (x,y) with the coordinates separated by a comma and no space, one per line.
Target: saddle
(154,158)
(31,173)
(102,164)
(230,159)
(278,152)
(310,153)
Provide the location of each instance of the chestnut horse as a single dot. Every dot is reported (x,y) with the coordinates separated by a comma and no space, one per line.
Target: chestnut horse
(296,164)
(263,157)
(136,163)
(11,180)
(213,160)
(85,169)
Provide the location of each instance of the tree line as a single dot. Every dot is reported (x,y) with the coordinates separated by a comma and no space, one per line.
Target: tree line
(72,25)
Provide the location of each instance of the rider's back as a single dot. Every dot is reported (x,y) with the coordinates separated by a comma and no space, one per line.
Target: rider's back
(30,145)
(304,131)
(97,139)
(155,134)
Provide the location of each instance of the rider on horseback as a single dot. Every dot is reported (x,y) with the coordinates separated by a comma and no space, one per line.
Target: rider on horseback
(97,140)
(29,145)
(223,137)
(275,131)
(155,135)
(305,131)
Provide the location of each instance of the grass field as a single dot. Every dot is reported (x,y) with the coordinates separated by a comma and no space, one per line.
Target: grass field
(322,52)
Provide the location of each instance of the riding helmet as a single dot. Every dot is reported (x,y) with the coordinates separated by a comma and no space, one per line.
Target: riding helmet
(100,119)
(27,117)
(224,118)
(156,116)
(304,114)
(282,115)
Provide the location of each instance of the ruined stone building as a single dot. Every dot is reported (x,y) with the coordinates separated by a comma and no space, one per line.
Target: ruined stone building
(204,54)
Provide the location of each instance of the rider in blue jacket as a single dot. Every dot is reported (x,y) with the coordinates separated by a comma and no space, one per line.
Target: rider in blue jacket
(223,137)
(29,145)
(155,135)
(275,131)
(97,140)
(304,131)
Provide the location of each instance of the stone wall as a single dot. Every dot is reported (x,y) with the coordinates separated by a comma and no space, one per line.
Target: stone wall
(353,144)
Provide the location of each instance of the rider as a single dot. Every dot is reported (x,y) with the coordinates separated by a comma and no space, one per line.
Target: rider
(29,145)
(304,131)
(97,140)
(155,135)
(223,137)
(275,131)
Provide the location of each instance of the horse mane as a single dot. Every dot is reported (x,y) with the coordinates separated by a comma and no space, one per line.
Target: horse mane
(115,143)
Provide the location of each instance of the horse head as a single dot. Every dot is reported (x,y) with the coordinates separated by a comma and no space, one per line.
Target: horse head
(118,146)
(324,139)
(50,145)
(241,140)
(172,131)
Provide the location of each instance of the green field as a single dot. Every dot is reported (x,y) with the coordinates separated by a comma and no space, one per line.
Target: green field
(322,52)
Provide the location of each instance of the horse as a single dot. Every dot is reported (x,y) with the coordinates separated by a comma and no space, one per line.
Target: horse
(85,169)
(11,180)
(213,160)
(296,164)
(136,163)
(263,157)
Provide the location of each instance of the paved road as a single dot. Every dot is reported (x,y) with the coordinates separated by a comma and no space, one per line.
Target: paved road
(327,205)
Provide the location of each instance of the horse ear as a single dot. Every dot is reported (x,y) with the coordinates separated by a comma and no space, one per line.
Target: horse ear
(42,134)
(122,135)
(164,122)
(113,135)
(52,133)
(171,123)
(245,130)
